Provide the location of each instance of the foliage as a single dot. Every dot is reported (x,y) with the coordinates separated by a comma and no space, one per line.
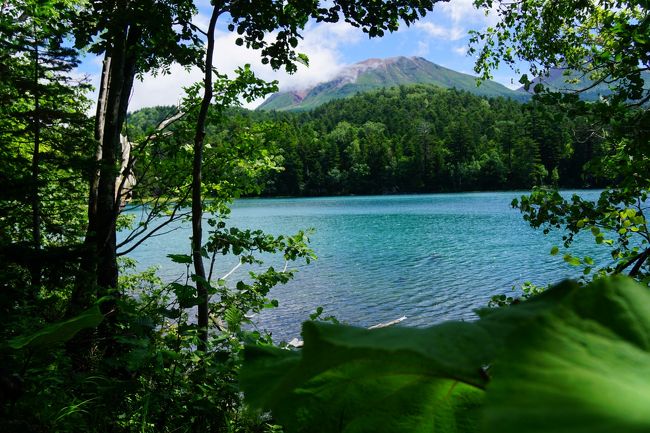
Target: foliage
(159,32)
(570,359)
(43,125)
(600,41)
(525,291)
(179,388)
(420,139)
(616,220)
(58,333)
(45,136)
(595,43)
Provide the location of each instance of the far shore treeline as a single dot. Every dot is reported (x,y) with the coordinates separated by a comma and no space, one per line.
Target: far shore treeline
(411,139)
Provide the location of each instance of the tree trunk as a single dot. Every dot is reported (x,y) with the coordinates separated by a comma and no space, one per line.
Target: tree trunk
(197,204)
(86,280)
(36,267)
(98,275)
(103,208)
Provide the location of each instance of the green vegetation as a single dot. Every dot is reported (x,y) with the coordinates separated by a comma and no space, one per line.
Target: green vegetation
(574,359)
(87,344)
(425,139)
(418,138)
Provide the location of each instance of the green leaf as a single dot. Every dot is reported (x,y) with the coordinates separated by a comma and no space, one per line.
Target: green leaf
(582,366)
(360,396)
(572,359)
(630,213)
(303,59)
(180,258)
(573,261)
(58,333)
(554,251)
(384,380)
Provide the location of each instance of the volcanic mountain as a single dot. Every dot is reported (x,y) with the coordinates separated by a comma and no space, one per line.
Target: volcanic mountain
(377,73)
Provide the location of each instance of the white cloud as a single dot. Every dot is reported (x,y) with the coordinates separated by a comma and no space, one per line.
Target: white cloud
(463,11)
(452,20)
(423,49)
(162,89)
(436,31)
(201,20)
(461,50)
(321,43)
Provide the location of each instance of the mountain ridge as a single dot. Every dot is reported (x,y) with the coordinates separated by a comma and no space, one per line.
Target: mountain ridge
(374,73)
(566,81)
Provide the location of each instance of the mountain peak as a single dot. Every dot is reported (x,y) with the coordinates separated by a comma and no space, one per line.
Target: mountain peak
(375,73)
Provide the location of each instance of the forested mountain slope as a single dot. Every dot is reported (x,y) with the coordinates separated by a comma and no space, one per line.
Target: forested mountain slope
(417,138)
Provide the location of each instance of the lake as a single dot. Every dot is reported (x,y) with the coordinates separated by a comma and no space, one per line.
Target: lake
(429,257)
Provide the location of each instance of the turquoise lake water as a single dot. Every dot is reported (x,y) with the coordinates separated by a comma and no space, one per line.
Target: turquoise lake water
(428,257)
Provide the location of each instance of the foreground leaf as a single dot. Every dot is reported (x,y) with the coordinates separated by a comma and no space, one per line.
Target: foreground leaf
(573,359)
(582,366)
(386,380)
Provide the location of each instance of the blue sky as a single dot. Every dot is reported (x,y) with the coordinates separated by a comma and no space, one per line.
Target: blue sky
(441,38)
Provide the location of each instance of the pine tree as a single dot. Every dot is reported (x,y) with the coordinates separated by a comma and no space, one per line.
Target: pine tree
(43,129)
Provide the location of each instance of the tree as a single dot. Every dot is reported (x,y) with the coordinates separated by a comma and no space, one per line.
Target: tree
(599,45)
(254,22)
(44,131)
(135,37)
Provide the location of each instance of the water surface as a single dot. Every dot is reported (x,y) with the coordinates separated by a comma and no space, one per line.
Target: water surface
(428,257)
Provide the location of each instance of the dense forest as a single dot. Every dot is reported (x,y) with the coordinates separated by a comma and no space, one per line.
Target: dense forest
(89,344)
(412,139)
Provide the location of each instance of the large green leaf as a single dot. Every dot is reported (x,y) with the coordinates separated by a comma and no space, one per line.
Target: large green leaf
(582,366)
(389,379)
(573,359)
(60,332)
(385,380)
(372,396)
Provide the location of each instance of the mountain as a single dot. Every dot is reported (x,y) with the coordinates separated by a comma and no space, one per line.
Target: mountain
(565,80)
(378,73)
